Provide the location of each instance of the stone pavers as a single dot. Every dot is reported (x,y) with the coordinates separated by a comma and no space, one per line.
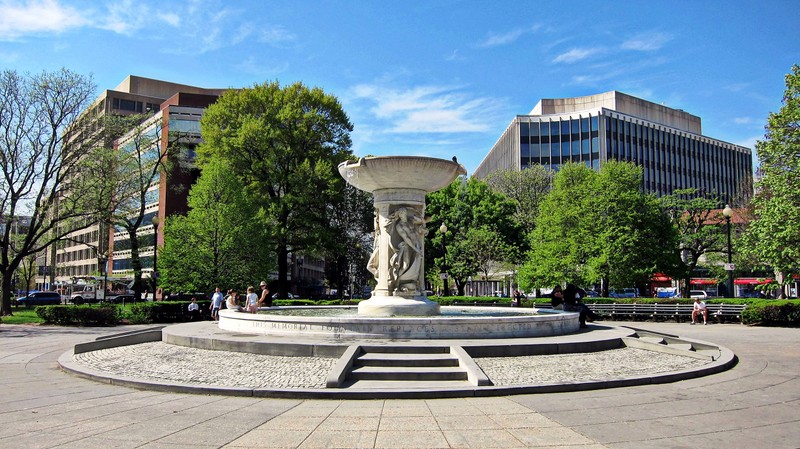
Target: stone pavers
(163,362)
(755,404)
(593,366)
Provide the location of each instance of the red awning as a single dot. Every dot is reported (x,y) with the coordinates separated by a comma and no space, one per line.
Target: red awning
(704,281)
(661,278)
(751,281)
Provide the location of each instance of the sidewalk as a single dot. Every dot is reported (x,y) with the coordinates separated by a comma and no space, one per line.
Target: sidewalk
(755,404)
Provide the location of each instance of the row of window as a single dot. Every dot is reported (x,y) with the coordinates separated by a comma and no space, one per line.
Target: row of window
(123,104)
(125,264)
(674,160)
(671,160)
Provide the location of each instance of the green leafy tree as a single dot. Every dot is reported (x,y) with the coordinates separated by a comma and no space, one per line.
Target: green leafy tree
(632,237)
(774,235)
(44,141)
(284,143)
(527,187)
(346,265)
(470,208)
(220,242)
(700,227)
(558,243)
(598,228)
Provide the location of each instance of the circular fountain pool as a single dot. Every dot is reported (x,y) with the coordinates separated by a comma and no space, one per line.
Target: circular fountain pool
(343,322)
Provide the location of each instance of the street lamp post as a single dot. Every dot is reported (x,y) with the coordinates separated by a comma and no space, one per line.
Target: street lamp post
(104,264)
(154,276)
(443,230)
(728,213)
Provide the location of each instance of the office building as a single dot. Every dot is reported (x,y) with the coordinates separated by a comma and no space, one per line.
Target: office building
(667,143)
(87,252)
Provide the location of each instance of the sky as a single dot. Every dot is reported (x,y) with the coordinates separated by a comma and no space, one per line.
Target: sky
(436,78)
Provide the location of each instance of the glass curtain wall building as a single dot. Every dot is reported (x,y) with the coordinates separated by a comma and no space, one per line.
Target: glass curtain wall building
(667,143)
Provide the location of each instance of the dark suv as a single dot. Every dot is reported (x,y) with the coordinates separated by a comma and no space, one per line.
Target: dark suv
(40,299)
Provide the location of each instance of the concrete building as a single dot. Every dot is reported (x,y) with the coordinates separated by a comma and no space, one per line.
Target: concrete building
(87,252)
(174,111)
(667,143)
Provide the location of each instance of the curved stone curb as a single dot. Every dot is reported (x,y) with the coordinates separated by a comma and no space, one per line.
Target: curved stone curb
(726,360)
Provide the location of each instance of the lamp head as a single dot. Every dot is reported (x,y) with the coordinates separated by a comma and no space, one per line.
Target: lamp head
(727,212)
(443,228)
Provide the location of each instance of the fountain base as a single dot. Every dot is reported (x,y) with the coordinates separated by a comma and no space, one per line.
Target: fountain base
(469,322)
(388,306)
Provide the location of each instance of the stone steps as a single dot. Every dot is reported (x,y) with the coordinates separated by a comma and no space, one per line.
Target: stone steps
(409,366)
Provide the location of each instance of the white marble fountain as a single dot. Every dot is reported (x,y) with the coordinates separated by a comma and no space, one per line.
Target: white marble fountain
(399,307)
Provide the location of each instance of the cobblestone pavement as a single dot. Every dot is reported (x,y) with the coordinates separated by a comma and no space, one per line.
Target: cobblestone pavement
(164,362)
(755,404)
(594,366)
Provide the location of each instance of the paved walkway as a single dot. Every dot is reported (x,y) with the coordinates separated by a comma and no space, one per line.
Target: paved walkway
(756,404)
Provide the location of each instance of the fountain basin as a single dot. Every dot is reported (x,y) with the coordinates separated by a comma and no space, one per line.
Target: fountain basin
(400,172)
(480,322)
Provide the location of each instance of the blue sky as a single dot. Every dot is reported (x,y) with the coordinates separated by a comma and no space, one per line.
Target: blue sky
(434,78)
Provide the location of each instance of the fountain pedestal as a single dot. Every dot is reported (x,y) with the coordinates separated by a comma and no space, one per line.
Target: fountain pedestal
(399,185)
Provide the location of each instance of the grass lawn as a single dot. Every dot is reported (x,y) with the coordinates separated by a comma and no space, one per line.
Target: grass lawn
(22,316)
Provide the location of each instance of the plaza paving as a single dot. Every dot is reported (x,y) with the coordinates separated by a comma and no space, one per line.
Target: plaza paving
(755,404)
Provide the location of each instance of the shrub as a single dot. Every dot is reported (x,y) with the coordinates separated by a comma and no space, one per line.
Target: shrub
(772,313)
(85,315)
(164,311)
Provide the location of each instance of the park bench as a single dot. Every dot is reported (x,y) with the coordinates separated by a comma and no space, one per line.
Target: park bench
(654,311)
(677,312)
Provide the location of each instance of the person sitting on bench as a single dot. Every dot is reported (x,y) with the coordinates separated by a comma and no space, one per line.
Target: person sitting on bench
(699,307)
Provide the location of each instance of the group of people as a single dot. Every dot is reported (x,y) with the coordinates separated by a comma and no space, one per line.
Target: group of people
(569,300)
(252,300)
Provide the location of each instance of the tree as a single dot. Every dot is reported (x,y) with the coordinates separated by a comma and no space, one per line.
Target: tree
(346,264)
(598,228)
(285,144)
(558,243)
(219,242)
(527,187)
(470,208)
(774,235)
(633,238)
(698,223)
(43,142)
(136,166)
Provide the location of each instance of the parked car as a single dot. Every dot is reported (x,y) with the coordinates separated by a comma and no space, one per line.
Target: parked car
(125,298)
(40,299)
(592,294)
(291,296)
(624,293)
(698,294)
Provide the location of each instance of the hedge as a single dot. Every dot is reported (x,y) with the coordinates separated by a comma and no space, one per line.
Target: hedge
(165,311)
(81,315)
(772,313)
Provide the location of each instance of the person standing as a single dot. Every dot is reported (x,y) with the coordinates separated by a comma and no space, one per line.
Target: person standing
(265,299)
(216,304)
(251,301)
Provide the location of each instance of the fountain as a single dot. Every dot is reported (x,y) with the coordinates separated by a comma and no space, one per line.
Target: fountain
(399,307)
(399,186)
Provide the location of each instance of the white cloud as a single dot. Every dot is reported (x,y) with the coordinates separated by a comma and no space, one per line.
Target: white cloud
(171,19)
(743,120)
(576,54)
(497,39)
(427,109)
(647,41)
(276,35)
(37,16)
